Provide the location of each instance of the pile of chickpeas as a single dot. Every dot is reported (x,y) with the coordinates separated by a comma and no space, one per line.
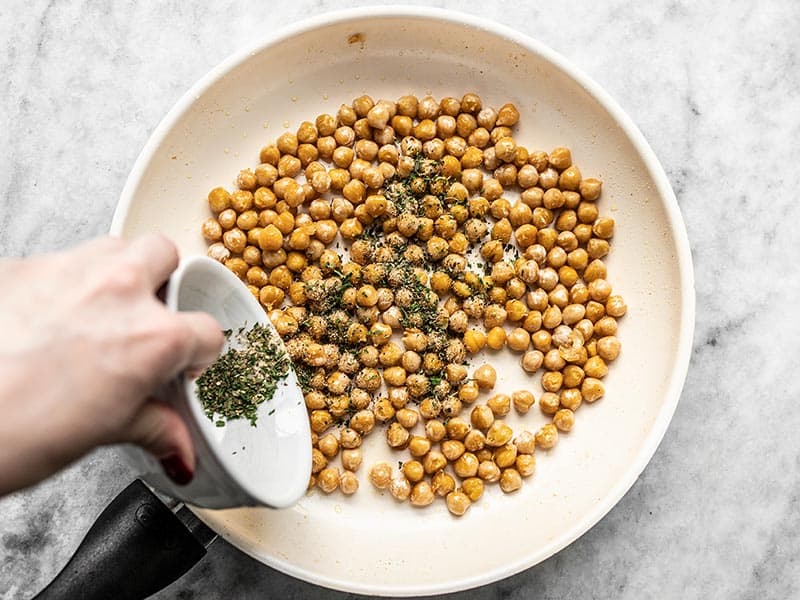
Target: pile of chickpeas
(391,242)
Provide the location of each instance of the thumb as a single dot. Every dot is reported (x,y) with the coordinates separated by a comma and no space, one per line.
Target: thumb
(160,430)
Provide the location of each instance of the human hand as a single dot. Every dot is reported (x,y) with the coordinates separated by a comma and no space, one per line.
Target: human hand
(84,343)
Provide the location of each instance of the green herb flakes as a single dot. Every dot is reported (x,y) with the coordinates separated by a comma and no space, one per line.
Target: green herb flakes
(244,376)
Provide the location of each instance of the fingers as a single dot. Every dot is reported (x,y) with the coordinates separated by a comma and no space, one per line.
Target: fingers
(159,429)
(205,339)
(157,254)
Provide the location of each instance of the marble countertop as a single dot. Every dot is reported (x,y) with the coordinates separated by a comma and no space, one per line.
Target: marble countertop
(715,514)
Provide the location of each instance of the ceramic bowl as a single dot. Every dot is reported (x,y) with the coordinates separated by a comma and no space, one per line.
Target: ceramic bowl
(238,464)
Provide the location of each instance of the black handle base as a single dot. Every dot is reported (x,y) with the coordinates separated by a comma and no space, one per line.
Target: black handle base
(136,547)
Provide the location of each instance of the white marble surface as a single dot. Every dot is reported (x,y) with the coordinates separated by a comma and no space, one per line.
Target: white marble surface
(714,89)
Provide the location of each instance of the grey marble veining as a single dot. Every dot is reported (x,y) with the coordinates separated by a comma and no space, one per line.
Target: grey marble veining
(714,88)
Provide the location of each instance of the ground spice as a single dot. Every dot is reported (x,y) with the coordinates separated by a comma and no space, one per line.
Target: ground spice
(244,376)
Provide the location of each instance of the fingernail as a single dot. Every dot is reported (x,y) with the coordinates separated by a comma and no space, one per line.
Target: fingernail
(176,469)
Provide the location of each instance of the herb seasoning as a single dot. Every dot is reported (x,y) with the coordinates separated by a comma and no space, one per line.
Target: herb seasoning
(244,376)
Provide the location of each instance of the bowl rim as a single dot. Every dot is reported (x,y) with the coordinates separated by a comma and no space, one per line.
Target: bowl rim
(665,195)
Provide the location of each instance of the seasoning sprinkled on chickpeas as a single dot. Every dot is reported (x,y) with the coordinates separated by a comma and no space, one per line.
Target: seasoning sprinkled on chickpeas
(382,242)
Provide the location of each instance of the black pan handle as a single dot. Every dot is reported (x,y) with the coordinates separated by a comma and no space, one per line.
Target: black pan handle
(136,547)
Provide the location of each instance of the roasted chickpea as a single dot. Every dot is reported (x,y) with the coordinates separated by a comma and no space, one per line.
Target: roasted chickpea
(519,340)
(468,392)
(592,389)
(525,443)
(363,421)
(489,471)
(418,446)
(328,479)
(473,488)
(523,401)
(485,376)
(475,440)
(499,404)
(616,307)
(458,503)
(434,461)
(547,436)
(498,434)
(380,475)
(510,480)
(482,417)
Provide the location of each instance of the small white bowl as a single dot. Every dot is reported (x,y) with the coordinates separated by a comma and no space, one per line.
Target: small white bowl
(238,464)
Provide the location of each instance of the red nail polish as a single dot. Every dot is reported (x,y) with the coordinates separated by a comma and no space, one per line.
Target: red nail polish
(176,469)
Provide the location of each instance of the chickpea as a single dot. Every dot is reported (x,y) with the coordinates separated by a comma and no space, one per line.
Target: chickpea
(474,441)
(571,398)
(466,465)
(400,487)
(348,483)
(351,459)
(482,417)
(452,449)
(380,475)
(532,361)
(485,376)
(468,392)
(523,401)
(496,338)
(465,125)
(505,456)
(616,307)
(458,503)
(442,483)
(547,436)
(508,115)
(499,404)
(595,311)
(455,373)
(604,228)
(590,189)
(414,339)
(485,454)
(564,419)
(219,252)
(519,340)
(499,434)
(474,340)
(413,471)
(434,461)
(237,266)
(489,471)
(318,461)
(525,443)
(608,348)
(328,445)
(595,367)
(510,480)
(328,479)
(435,430)
(525,464)
(397,436)
(419,446)
(362,421)
(592,389)
(219,199)
(411,361)
(473,488)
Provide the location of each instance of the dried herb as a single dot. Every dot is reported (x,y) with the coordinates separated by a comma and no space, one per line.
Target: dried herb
(244,376)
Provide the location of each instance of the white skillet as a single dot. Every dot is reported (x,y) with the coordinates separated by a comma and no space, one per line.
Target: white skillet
(368,543)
